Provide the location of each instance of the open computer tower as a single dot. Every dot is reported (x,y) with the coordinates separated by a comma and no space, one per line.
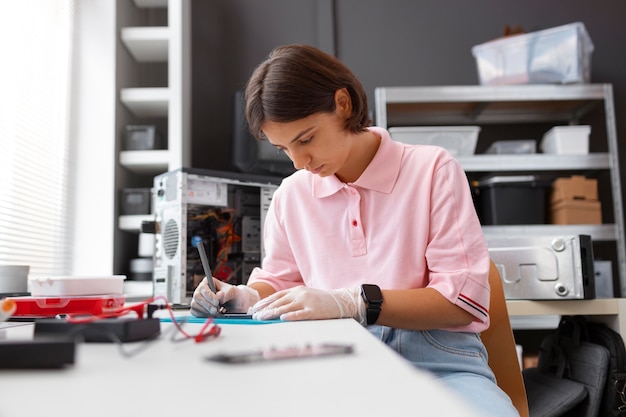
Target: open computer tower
(223,209)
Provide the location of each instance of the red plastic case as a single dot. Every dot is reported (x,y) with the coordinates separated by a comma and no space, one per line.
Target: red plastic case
(31,306)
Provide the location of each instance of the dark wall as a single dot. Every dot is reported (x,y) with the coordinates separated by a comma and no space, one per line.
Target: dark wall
(229,38)
(385,42)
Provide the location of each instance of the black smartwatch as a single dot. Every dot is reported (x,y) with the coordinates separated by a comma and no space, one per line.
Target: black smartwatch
(373,298)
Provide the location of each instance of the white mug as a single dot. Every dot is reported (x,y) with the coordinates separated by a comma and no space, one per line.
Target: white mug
(14,278)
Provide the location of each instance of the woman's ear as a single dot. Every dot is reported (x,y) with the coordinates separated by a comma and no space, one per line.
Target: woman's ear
(343,102)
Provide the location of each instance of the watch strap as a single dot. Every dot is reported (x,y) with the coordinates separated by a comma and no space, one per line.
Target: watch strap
(373,299)
(372,312)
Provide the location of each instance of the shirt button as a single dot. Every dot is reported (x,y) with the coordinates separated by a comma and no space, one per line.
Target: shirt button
(354,223)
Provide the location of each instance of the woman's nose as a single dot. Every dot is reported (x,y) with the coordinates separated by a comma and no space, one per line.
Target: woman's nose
(299,159)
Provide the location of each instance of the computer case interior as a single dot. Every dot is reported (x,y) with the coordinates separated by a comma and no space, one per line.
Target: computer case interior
(224,210)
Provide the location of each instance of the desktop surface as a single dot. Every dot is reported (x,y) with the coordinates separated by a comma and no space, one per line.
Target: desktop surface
(167,377)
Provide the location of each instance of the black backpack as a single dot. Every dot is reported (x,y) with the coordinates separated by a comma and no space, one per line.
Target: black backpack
(614,398)
(581,372)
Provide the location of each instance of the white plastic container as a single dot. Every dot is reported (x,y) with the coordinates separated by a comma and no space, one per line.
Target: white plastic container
(566,140)
(14,279)
(504,147)
(560,54)
(458,140)
(76,285)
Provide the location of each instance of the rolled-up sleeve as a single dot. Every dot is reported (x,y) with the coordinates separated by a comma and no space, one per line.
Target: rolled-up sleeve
(457,255)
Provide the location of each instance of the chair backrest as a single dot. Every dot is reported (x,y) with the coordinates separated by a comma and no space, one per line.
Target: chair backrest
(500,344)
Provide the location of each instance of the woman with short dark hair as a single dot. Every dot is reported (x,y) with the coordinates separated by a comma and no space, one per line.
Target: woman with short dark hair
(366,228)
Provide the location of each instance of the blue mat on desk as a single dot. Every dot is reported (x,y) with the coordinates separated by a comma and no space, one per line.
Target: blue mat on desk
(194,319)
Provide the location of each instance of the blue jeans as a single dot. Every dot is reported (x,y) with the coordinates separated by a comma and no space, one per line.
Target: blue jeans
(458,359)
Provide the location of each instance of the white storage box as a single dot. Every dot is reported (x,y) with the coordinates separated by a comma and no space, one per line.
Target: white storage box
(458,140)
(557,55)
(76,285)
(566,140)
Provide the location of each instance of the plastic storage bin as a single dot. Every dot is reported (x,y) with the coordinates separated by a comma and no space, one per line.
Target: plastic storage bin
(142,137)
(512,200)
(557,55)
(504,147)
(135,201)
(62,286)
(458,140)
(32,306)
(566,140)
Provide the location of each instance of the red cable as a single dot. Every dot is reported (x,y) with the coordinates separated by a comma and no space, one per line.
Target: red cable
(138,309)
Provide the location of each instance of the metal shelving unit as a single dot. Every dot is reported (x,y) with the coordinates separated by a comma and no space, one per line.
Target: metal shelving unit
(519,104)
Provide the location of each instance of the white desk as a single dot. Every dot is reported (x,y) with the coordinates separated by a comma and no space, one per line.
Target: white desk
(611,311)
(173,379)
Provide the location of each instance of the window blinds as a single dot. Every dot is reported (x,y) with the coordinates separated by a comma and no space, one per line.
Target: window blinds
(36,40)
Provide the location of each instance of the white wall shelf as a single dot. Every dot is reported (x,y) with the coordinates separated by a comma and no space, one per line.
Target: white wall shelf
(145,162)
(611,311)
(539,162)
(146,102)
(413,106)
(150,3)
(147,44)
(132,222)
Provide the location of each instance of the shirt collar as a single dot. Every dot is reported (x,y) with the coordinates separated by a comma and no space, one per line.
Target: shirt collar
(380,175)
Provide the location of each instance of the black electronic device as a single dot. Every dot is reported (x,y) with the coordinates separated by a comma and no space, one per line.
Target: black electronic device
(274,354)
(373,298)
(43,353)
(103,330)
(252,155)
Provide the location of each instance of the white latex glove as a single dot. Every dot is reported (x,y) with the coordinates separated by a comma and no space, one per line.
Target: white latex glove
(234,298)
(303,303)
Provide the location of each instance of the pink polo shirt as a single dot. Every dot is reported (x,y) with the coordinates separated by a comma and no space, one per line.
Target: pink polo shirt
(407,222)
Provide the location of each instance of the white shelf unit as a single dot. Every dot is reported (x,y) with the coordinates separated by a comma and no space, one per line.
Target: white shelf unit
(146,102)
(519,104)
(147,44)
(153,81)
(143,162)
(133,221)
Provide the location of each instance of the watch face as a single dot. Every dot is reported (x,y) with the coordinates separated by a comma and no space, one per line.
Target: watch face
(372,293)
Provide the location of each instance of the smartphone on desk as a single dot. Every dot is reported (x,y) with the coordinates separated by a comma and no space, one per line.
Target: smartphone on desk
(239,316)
(275,354)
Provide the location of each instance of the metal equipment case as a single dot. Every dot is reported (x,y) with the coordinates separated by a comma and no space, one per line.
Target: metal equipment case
(225,210)
(545,268)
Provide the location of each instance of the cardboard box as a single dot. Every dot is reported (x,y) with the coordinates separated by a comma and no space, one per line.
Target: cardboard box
(576,187)
(576,212)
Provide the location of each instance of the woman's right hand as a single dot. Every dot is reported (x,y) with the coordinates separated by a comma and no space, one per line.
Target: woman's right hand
(234,298)
(204,303)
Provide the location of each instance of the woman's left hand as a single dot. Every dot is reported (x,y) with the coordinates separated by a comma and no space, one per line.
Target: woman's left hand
(304,303)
